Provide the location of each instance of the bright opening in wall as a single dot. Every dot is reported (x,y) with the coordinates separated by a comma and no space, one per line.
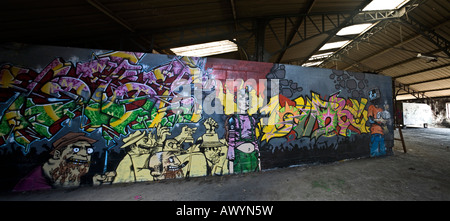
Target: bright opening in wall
(385,5)
(447,105)
(206,49)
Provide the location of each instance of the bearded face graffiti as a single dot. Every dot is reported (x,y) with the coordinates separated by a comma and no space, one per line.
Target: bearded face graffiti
(68,166)
(165,165)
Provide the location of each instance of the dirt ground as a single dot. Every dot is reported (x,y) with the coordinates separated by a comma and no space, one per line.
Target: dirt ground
(423,173)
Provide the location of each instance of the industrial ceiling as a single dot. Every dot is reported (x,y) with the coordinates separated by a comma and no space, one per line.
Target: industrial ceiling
(410,43)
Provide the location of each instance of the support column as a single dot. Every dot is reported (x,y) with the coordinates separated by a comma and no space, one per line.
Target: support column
(260,35)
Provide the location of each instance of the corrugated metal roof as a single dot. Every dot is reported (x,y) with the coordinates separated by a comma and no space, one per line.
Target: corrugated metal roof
(292,31)
(393,50)
(436,72)
(442,93)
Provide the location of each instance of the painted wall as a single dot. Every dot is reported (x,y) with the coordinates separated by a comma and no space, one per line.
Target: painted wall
(73,117)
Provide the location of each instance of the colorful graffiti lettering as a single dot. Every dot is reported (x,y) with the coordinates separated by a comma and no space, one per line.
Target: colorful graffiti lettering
(111,91)
(114,118)
(314,117)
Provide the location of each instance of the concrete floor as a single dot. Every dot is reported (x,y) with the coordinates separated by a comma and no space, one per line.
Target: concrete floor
(423,173)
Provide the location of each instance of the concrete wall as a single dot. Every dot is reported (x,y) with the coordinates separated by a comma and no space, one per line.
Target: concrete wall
(73,116)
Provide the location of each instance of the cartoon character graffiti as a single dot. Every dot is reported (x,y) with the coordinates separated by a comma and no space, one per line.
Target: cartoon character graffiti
(157,157)
(132,167)
(378,120)
(121,99)
(149,157)
(164,164)
(111,91)
(69,162)
(243,150)
(206,155)
(213,148)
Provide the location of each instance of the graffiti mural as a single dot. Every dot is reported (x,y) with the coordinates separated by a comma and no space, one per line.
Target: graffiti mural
(69,161)
(110,92)
(243,150)
(72,117)
(314,117)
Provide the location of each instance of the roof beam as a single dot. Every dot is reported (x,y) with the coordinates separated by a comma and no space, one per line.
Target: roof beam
(421,71)
(429,34)
(428,81)
(405,61)
(386,50)
(415,58)
(110,14)
(126,25)
(233,10)
(319,32)
(223,26)
(431,90)
(260,26)
(408,90)
(331,34)
(237,40)
(373,16)
(294,29)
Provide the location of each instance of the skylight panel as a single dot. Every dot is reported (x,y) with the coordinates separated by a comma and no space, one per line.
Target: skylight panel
(332,45)
(310,64)
(206,49)
(355,29)
(320,56)
(385,5)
